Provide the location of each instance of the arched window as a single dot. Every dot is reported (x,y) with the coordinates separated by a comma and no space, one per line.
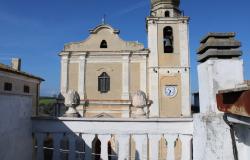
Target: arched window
(104,44)
(167,14)
(104,83)
(168,39)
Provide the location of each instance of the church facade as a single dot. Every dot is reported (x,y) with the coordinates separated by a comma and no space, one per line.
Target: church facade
(107,71)
(134,101)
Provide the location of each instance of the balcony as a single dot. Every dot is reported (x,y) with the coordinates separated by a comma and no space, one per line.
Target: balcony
(112,138)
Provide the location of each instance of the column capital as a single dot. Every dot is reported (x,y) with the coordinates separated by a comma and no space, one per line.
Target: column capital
(64,54)
(123,136)
(126,57)
(154,136)
(82,57)
(88,137)
(170,137)
(185,138)
(104,137)
(65,57)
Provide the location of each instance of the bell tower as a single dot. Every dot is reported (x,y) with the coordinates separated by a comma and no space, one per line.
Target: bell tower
(169,68)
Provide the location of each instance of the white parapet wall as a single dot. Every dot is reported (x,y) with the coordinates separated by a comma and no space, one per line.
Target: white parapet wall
(15,127)
(146,134)
(212,140)
(215,75)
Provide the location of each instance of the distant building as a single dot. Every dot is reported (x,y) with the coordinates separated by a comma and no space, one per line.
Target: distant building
(19,94)
(13,81)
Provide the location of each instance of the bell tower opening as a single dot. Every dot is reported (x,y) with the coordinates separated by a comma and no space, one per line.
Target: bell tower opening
(167,14)
(168,39)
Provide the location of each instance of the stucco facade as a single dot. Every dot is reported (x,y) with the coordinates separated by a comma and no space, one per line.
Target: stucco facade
(124,62)
(20,83)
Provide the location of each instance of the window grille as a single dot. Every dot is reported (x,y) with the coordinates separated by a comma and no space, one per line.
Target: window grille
(8,86)
(104,83)
(26,89)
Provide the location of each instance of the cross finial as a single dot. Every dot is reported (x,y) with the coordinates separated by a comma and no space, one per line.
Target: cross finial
(104,19)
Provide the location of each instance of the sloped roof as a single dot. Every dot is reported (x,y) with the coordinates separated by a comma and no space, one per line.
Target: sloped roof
(6,68)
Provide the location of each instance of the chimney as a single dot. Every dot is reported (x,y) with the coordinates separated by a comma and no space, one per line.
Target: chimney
(16,63)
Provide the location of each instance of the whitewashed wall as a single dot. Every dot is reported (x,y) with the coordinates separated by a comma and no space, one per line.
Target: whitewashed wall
(215,75)
(211,137)
(211,140)
(15,127)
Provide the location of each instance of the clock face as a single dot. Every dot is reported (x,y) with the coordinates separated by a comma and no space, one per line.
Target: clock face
(170,91)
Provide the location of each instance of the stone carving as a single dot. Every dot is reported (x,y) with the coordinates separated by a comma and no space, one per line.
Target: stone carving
(139,101)
(72,100)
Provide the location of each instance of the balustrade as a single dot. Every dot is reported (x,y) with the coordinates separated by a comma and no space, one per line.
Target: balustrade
(143,133)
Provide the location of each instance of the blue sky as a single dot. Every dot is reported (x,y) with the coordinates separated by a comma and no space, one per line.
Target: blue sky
(36,30)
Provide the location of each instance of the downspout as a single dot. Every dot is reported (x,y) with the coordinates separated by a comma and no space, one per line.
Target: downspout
(235,150)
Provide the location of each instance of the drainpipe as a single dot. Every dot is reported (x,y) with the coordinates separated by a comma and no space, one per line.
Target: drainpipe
(235,150)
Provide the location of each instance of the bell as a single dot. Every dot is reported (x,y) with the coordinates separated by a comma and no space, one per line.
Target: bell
(167,42)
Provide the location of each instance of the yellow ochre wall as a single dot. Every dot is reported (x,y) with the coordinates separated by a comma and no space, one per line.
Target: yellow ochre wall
(93,70)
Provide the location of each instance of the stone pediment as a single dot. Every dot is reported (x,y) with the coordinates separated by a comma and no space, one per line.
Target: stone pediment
(101,33)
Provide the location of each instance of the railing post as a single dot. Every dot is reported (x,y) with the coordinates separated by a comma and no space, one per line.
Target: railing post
(88,138)
(154,146)
(186,147)
(123,149)
(104,146)
(141,146)
(72,146)
(56,144)
(170,147)
(40,139)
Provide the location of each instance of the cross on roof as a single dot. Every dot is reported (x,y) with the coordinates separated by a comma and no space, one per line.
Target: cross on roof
(104,19)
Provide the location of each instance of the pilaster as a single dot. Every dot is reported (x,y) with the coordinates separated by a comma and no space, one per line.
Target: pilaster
(125,77)
(170,147)
(40,139)
(185,94)
(64,74)
(81,81)
(143,75)
(141,146)
(72,146)
(88,138)
(186,147)
(56,144)
(123,150)
(104,146)
(154,146)
(153,68)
